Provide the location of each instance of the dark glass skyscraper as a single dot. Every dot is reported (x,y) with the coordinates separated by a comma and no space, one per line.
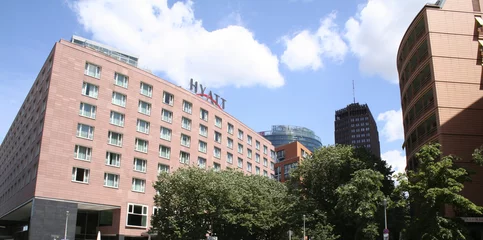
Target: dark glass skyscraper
(354,125)
(284,134)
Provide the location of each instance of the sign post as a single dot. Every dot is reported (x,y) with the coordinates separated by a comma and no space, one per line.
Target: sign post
(385,234)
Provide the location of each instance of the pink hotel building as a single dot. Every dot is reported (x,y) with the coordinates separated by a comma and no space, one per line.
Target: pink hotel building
(91,137)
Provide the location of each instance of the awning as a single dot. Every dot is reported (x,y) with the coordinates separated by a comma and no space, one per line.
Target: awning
(481,42)
(479,20)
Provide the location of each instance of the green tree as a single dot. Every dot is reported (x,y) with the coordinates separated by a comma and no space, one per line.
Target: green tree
(193,202)
(435,185)
(329,175)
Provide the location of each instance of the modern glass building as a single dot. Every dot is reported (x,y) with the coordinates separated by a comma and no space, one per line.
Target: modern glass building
(285,134)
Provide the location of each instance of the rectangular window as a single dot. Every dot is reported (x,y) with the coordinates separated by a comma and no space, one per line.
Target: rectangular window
(218,121)
(229,143)
(165,134)
(85,131)
(142,126)
(119,99)
(187,107)
(146,89)
(82,153)
(141,145)
(240,148)
(167,116)
(186,123)
(217,152)
(216,167)
(240,134)
(257,157)
(203,114)
(168,98)
(121,80)
(111,180)
(229,158)
(240,163)
(164,151)
(90,90)
(80,175)
(273,155)
(257,170)
(265,173)
(162,168)
(144,107)
(203,130)
(265,149)
(257,145)
(114,138)
(230,128)
(139,165)
(137,215)
(87,110)
(201,162)
(113,159)
(249,167)
(272,166)
(92,70)
(117,119)
(249,153)
(249,140)
(185,140)
(217,137)
(184,157)
(202,146)
(265,162)
(138,185)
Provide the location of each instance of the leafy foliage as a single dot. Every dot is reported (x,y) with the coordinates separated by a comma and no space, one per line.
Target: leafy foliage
(436,184)
(193,202)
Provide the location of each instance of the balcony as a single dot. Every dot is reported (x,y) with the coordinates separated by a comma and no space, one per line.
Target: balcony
(417,59)
(424,104)
(417,33)
(420,82)
(421,134)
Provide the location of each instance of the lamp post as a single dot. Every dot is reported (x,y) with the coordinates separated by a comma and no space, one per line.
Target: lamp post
(66,222)
(385,233)
(304,226)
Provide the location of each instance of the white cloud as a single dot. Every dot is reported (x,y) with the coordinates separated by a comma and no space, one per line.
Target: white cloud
(393,125)
(375,33)
(396,159)
(308,49)
(173,41)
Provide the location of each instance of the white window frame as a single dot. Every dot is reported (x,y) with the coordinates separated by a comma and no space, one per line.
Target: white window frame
(90,90)
(249,153)
(187,107)
(140,128)
(249,167)
(257,157)
(148,107)
(168,98)
(257,144)
(218,121)
(116,118)
(217,152)
(97,70)
(185,140)
(90,131)
(265,150)
(168,152)
(82,110)
(186,123)
(217,137)
(168,118)
(168,136)
(230,128)
(142,214)
(184,157)
(85,177)
(229,158)
(265,162)
(119,82)
(240,148)
(249,140)
(229,143)
(201,114)
(122,100)
(166,168)
(240,163)
(141,145)
(116,180)
(202,163)
(205,132)
(202,146)
(88,153)
(110,160)
(146,89)
(240,134)
(119,138)
(143,185)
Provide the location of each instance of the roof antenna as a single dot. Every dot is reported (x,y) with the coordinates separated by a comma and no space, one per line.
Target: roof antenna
(353,91)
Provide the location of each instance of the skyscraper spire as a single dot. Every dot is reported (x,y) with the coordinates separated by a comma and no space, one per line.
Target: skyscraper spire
(353,91)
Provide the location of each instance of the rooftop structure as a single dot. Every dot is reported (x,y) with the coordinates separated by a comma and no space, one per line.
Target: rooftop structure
(284,134)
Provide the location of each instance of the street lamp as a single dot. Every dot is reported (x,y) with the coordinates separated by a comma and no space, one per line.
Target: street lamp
(385,233)
(66,222)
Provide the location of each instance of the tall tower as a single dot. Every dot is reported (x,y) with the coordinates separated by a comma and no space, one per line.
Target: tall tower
(355,125)
(440,70)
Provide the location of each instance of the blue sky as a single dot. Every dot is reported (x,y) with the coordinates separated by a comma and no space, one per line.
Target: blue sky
(291,61)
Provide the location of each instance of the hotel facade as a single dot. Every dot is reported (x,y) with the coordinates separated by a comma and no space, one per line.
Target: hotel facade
(91,137)
(440,76)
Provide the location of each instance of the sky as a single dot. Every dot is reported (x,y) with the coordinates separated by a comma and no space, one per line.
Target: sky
(292,61)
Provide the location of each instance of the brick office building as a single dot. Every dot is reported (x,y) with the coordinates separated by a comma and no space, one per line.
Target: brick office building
(440,75)
(289,157)
(92,135)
